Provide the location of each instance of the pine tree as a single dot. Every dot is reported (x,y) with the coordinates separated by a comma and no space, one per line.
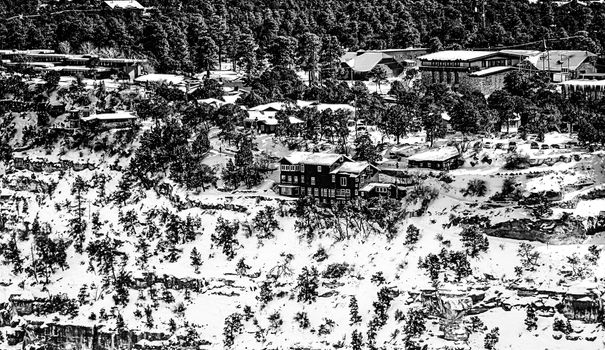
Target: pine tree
(530,318)
(265,293)
(77,225)
(148,317)
(356,340)
(264,223)
(491,339)
(307,285)
(83,295)
(302,319)
(242,268)
(122,283)
(474,241)
(196,260)
(412,234)
(172,325)
(365,149)
(354,311)
(142,248)
(225,236)
(233,327)
(120,325)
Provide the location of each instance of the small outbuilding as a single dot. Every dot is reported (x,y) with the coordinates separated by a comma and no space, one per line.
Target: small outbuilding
(445,158)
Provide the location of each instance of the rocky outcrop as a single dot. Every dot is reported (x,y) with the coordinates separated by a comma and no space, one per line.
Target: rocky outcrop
(558,231)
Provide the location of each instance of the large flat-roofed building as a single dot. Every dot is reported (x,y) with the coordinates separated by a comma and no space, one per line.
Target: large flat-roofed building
(326,176)
(445,158)
(70,65)
(482,70)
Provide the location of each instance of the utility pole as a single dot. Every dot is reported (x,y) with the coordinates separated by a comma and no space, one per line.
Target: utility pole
(483,13)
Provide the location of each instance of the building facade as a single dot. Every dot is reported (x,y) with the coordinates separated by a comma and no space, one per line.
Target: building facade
(443,159)
(480,70)
(325,176)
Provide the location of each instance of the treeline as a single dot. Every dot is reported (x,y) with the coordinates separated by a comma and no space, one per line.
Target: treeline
(192,35)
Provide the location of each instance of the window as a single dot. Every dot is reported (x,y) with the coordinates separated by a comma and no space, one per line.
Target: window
(283,178)
(332,193)
(333,178)
(302,179)
(312,180)
(319,168)
(316,192)
(295,179)
(302,167)
(290,179)
(348,192)
(343,181)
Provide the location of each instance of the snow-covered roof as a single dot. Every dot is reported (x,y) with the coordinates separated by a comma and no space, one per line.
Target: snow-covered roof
(373,185)
(456,55)
(211,101)
(556,60)
(311,158)
(515,52)
(124,4)
(438,154)
(276,106)
(158,78)
(351,168)
(367,61)
(491,70)
(334,106)
(118,115)
(302,104)
(269,118)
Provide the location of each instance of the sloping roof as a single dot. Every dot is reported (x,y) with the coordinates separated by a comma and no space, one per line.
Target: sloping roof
(158,78)
(367,61)
(555,60)
(309,158)
(118,115)
(213,101)
(524,53)
(276,106)
(351,168)
(124,4)
(456,55)
(491,70)
(334,106)
(347,56)
(438,154)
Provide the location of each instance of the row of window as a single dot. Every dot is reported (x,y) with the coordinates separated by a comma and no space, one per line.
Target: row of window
(292,167)
(294,179)
(297,167)
(327,192)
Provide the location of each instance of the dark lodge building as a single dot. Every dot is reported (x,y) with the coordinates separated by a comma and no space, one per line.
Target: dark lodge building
(444,159)
(326,176)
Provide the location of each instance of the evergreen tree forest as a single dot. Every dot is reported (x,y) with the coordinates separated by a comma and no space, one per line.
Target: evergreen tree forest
(188,35)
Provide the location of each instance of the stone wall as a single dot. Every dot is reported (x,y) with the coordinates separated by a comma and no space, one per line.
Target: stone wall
(486,84)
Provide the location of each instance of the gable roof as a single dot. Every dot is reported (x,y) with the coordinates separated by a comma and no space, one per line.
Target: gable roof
(491,70)
(124,4)
(456,55)
(435,155)
(310,158)
(367,61)
(555,60)
(354,168)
